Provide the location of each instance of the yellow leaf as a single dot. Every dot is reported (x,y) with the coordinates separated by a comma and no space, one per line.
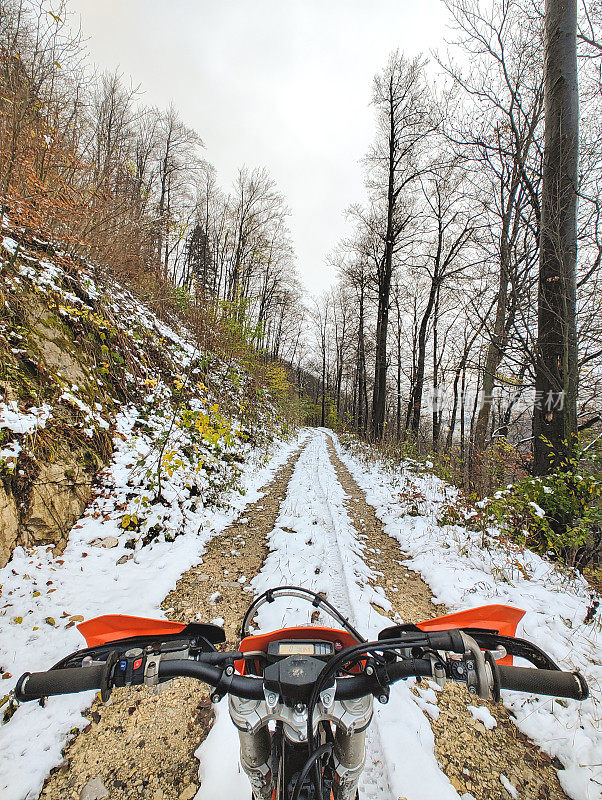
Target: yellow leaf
(18,620)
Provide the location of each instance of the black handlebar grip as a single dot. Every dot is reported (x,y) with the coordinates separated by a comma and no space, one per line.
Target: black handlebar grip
(32,686)
(544,681)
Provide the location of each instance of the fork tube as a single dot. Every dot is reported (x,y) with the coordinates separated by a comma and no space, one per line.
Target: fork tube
(349,758)
(255,750)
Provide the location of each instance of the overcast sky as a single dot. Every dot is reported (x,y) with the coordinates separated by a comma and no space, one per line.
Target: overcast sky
(284,84)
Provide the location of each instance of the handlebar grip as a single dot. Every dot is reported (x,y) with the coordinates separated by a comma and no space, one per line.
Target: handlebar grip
(32,686)
(544,681)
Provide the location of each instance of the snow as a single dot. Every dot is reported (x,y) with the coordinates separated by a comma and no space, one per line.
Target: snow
(10,453)
(8,243)
(314,545)
(538,509)
(91,416)
(512,790)
(482,714)
(467,568)
(42,593)
(23,421)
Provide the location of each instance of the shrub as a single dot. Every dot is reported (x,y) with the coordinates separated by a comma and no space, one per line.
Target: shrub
(559,515)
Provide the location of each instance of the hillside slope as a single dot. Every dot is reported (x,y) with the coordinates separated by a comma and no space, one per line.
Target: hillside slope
(120,421)
(76,351)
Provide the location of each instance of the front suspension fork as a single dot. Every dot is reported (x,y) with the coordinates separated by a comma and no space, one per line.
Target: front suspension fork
(349,760)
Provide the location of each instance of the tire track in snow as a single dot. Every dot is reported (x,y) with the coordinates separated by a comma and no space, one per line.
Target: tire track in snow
(315,545)
(376,773)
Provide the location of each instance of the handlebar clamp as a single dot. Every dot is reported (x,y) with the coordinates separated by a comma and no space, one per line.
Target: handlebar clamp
(381,689)
(475,671)
(222,687)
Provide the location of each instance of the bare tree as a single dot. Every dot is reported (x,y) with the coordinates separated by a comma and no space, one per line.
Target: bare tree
(556,380)
(179,160)
(499,134)
(452,231)
(404,119)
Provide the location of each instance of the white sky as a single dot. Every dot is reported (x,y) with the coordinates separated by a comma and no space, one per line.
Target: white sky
(284,84)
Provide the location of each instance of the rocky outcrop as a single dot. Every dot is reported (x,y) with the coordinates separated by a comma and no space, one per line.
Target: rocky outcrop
(55,349)
(58,497)
(9,525)
(55,498)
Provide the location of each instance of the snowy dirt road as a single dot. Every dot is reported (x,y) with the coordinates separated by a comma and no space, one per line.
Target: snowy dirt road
(328,539)
(314,528)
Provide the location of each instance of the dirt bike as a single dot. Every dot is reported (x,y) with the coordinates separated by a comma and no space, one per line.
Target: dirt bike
(301,697)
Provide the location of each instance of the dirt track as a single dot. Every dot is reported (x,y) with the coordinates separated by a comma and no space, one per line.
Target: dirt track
(471,756)
(142,745)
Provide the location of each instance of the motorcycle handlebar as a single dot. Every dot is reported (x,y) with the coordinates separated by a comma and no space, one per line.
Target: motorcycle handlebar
(79,679)
(251,688)
(350,688)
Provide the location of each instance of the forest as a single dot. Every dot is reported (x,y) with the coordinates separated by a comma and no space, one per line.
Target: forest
(431,341)
(414,453)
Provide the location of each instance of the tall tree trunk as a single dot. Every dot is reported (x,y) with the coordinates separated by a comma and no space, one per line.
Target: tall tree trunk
(398,398)
(460,371)
(362,388)
(421,359)
(555,411)
(380,366)
(323,410)
(379,398)
(437,410)
(497,344)
(463,414)
(413,372)
(452,421)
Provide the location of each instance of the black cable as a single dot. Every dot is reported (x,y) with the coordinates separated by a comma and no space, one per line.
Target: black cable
(316,599)
(325,748)
(343,657)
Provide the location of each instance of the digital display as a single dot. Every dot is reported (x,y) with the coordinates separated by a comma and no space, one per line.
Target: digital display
(301,647)
(296,649)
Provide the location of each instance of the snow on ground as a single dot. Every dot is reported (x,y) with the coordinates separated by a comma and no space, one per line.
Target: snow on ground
(23,422)
(463,573)
(482,714)
(44,596)
(314,545)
